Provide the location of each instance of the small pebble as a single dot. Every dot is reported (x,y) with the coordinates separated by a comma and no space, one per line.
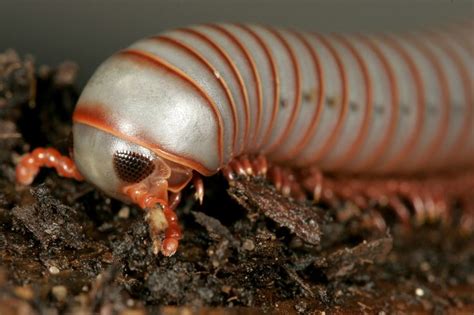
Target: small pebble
(431,278)
(425,266)
(301,307)
(419,292)
(59,292)
(124,213)
(54,270)
(248,245)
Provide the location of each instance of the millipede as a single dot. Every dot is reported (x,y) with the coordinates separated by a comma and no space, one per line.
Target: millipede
(384,118)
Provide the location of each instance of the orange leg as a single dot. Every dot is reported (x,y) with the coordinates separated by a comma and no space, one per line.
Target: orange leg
(276,177)
(30,164)
(199,187)
(246,166)
(261,166)
(174,200)
(172,234)
(150,194)
(287,181)
(158,221)
(284,179)
(228,173)
(238,168)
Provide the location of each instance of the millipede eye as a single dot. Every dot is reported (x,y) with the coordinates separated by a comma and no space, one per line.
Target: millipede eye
(132,167)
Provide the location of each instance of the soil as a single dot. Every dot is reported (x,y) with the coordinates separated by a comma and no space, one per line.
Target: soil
(66,248)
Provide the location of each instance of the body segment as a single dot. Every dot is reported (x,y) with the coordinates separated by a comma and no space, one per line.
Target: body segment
(347,103)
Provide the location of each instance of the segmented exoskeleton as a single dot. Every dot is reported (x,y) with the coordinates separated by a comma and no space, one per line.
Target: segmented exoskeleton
(224,96)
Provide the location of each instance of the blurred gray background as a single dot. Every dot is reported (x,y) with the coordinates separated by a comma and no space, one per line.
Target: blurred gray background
(88,31)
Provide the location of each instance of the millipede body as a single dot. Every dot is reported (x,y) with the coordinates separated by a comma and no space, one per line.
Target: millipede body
(231,97)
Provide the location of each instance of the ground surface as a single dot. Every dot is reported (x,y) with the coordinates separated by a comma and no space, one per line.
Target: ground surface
(66,248)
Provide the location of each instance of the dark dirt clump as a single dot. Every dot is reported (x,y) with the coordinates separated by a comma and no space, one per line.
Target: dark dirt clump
(66,248)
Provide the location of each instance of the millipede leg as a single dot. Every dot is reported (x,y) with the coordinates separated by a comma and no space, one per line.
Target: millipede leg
(375,220)
(237,167)
(174,200)
(467,219)
(286,183)
(318,186)
(30,164)
(261,165)
(156,224)
(160,215)
(297,192)
(321,188)
(172,233)
(228,173)
(199,188)
(247,166)
(163,218)
(400,209)
(276,177)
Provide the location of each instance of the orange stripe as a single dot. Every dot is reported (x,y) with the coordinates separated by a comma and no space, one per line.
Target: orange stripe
(445,102)
(361,137)
(275,79)
(319,76)
(465,44)
(407,151)
(344,101)
(394,103)
(256,77)
(459,145)
(155,61)
(212,71)
(235,71)
(297,99)
(96,117)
